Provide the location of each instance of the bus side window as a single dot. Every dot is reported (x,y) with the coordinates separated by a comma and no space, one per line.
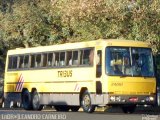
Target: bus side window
(26,61)
(56,59)
(81,56)
(50,59)
(62,59)
(32,61)
(44,60)
(14,62)
(69,58)
(38,60)
(21,63)
(9,62)
(75,58)
(87,57)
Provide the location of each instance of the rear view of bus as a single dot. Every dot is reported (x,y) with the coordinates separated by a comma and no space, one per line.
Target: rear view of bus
(130,75)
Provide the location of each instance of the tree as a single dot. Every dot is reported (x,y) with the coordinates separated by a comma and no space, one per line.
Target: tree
(92,19)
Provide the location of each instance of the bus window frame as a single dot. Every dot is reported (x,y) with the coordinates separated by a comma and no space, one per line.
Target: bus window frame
(76,59)
(20,66)
(43,54)
(12,69)
(79,50)
(28,61)
(31,61)
(63,60)
(69,55)
(51,64)
(82,53)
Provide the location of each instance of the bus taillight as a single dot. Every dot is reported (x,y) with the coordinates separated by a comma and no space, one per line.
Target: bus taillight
(133,99)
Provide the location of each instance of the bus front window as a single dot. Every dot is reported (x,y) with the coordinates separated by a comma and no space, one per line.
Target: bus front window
(129,61)
(142,62)
(118,61)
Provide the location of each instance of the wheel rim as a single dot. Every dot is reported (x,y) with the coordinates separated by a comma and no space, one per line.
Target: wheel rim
(36,101)
(86,102)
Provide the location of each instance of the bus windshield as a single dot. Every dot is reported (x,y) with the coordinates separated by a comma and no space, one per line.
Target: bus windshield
(125,61)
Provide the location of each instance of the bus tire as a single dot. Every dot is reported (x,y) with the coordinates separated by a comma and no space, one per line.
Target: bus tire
(36,101)
(86,103)
(26,100)
(129,109)
(74,108)
(62,108)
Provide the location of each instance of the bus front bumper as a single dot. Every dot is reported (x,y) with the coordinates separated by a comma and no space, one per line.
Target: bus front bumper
(132,99)
(108,99)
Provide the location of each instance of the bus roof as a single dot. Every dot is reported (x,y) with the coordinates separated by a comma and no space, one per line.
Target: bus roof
(78,45)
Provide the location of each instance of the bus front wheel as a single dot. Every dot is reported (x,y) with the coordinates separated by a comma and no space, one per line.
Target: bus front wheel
(36,102)
(86,103)
(26,100)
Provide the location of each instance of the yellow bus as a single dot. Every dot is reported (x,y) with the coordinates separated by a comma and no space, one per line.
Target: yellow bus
(84,74)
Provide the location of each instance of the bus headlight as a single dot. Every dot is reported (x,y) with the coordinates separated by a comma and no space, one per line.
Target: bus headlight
(115,98)
(112,98)
(150,98)
(118,98)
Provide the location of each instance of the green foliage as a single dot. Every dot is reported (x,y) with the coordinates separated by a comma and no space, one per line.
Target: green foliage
(93,19)
(38,22)
(27,25)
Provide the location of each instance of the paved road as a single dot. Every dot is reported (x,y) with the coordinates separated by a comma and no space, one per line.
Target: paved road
(46,114)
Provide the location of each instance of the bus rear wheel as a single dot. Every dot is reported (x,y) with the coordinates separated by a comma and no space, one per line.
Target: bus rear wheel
(36,102)
(86,103)
(26,100)
(129,108)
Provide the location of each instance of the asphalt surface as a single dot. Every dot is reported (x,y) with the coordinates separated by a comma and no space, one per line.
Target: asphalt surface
(50,114)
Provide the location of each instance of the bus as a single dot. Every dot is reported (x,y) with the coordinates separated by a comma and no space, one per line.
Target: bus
(104,72)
